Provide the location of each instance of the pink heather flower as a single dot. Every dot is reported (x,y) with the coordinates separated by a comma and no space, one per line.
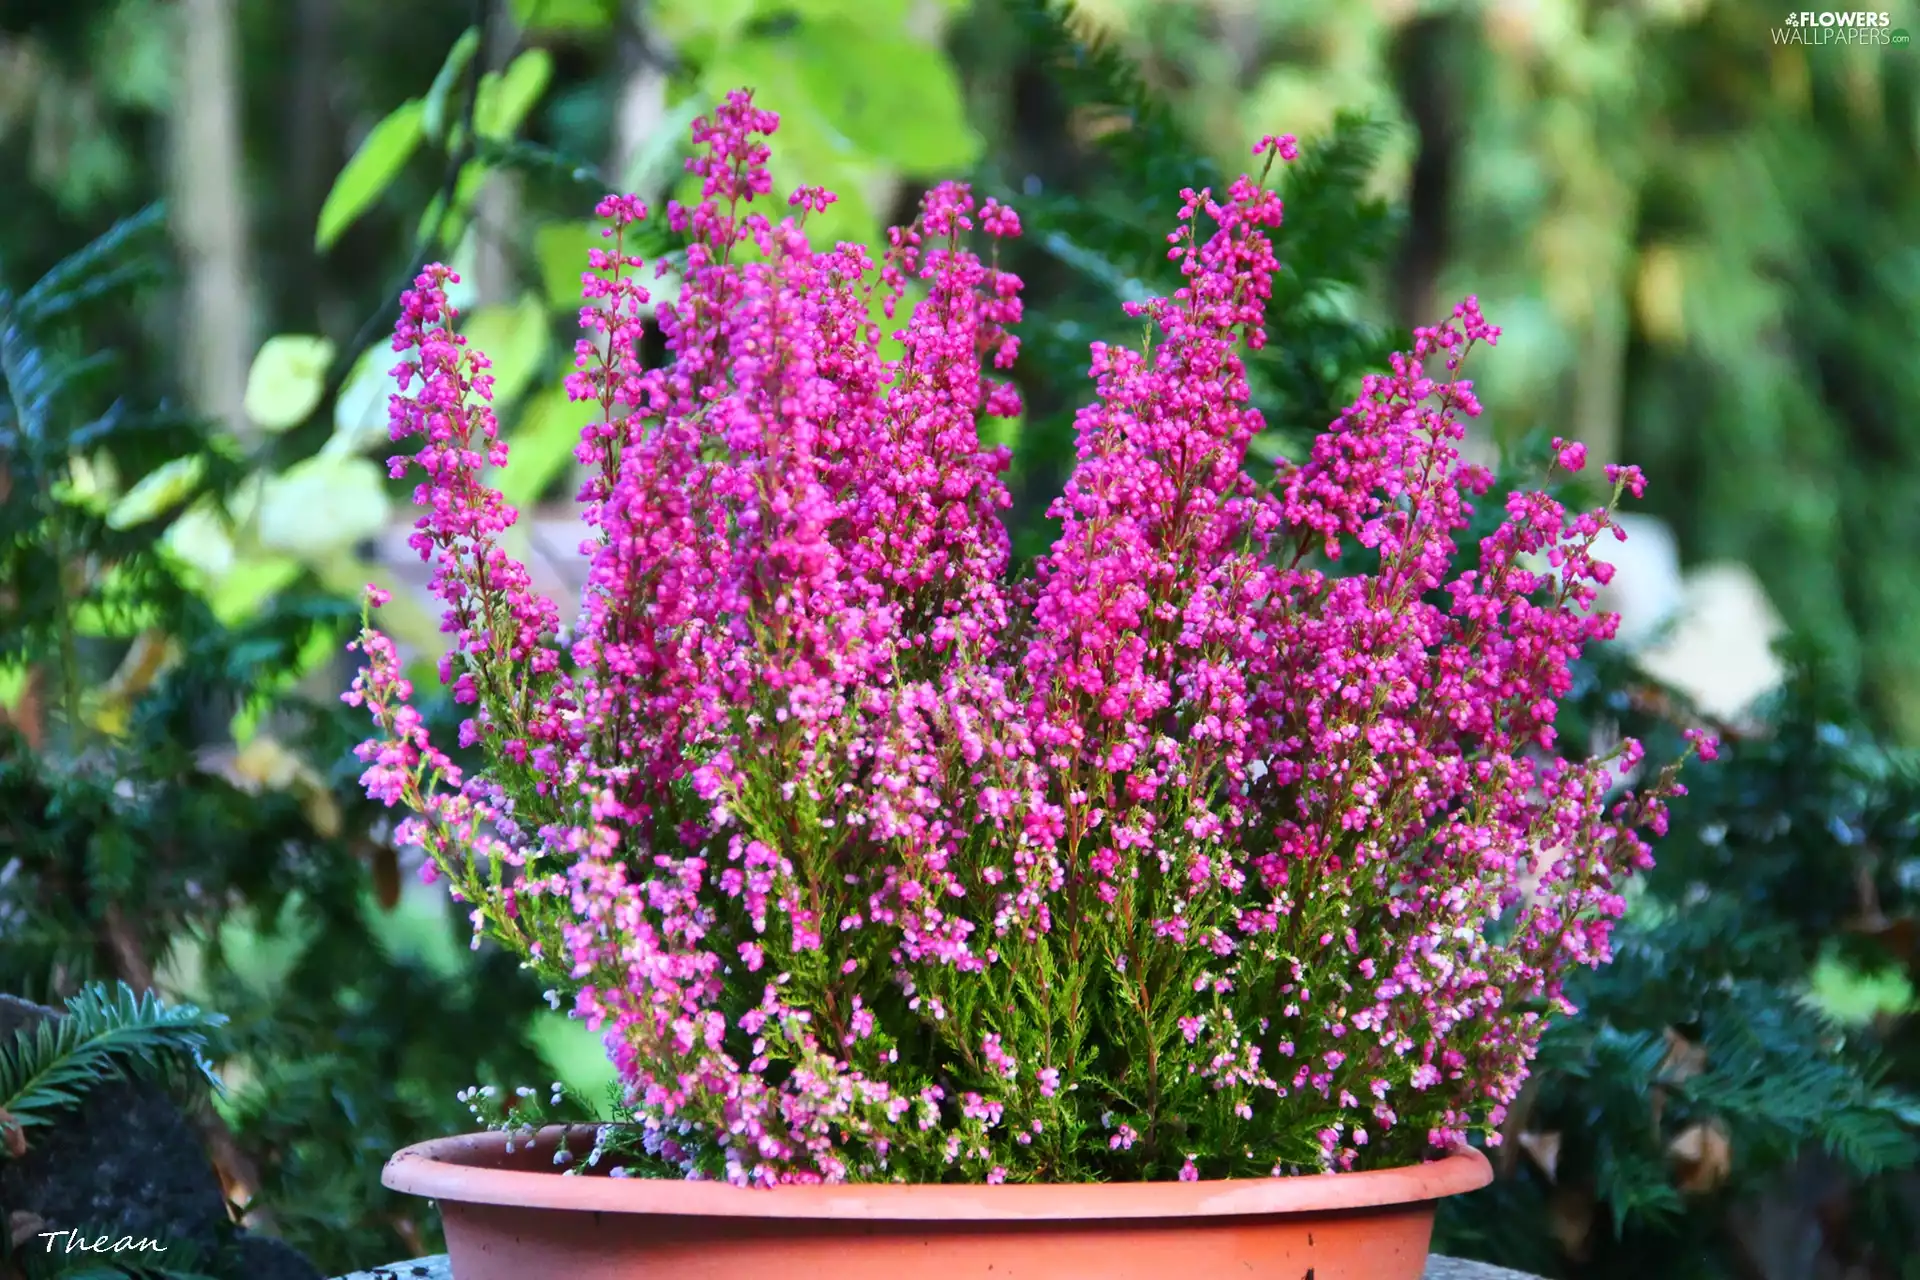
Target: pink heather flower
(827,821)
(1286,146)
(1627,478)
(1704,744)
(998,1058)
(1572,456)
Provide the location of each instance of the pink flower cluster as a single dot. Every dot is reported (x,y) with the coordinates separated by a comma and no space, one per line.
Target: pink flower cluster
(1232,840)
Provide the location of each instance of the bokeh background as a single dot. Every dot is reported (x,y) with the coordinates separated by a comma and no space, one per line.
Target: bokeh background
(1697,224)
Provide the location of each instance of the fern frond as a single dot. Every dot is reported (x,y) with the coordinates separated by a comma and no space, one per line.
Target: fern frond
(105,265)
(1871,1136)
(1331,221)
(1146,143)
(1111,236)
(108,1033)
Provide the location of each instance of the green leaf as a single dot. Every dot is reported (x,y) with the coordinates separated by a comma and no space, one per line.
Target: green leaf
(893,97)
(655,159)
(811,151)
(506,97)
(403,617)
(433,120)
(542,444)
(877,13)
(583,16)
(321,505)
(200,544)
(92,483)
(159,491)
(287,379)
(135,56)
(1854,998)
(13,683)
(373,167)
(452,228)
(686,23)
(360,410)
(561,249)
(515,338)
(252,581)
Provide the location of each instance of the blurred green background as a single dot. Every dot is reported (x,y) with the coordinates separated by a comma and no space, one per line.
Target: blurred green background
(1699,231)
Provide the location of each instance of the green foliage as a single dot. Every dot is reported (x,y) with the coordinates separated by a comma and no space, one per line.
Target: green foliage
(1151,152)
(379,159)
(579,16)
(505,97)
(516,337)
(61,405)
(1331,245)
(108,1033)
(287,380)
(355,1050)
(1782,418)
(433,116)
(140,837)
(1705,1027)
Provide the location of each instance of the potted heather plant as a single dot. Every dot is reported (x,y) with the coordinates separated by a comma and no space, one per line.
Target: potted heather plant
(934,915)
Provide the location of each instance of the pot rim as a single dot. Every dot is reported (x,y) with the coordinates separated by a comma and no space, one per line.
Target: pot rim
(455,1169)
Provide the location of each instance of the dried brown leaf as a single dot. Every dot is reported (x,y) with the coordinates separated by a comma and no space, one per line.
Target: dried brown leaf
(1544,1150)
(1683,1061)
(386,876)
(23,1226)
(1519,1114)
(13,1136)
(409,1232)
(1702,1156)
(1570,1215)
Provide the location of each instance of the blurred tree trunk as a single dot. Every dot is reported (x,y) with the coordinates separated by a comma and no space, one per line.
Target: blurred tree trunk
(1425,56)
(207,196)
(313,147)
(496,209)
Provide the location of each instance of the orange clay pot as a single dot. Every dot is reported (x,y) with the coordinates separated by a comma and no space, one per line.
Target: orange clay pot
(515,1217)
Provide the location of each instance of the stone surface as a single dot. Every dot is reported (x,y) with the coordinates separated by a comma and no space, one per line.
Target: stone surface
(436,1268)
(128,1162)
(1461,1269)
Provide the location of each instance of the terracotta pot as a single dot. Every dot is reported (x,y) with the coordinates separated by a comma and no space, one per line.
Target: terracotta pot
(515,1217)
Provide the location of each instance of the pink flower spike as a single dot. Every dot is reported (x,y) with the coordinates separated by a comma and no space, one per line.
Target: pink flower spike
(1243,809)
